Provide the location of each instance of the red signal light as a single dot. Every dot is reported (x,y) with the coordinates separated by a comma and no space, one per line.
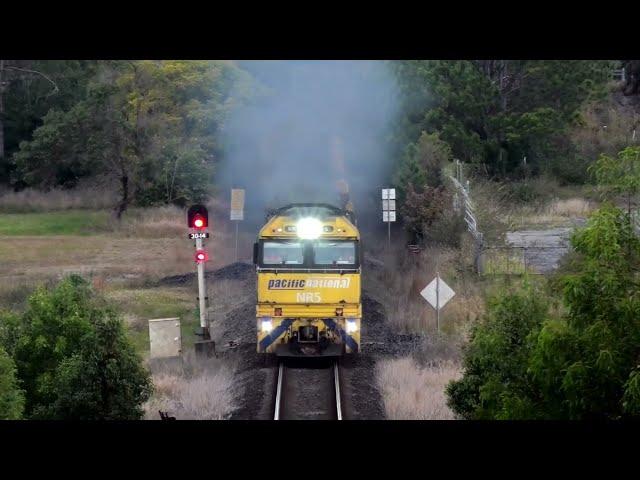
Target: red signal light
(199,222)
(201,256)
(198,217)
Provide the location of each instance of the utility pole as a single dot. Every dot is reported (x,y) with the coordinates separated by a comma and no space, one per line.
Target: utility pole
(237,211)
(202,291)
(438,301)
(236,257)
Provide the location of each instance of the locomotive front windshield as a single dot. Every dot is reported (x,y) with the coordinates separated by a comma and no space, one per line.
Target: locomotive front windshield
(309,254)
(283,253)
(334,253)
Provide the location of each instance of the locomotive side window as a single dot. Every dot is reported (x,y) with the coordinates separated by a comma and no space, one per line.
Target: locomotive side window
(283,253)
(334,253)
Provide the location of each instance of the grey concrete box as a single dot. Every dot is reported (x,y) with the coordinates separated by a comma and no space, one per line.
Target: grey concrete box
(165,339)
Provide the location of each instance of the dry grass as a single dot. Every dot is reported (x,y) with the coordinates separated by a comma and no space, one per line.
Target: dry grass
(556,213)
(572,207)
(198,392)
(607,128)
(30,200)
(157,222)
(15,290)
(398,283)
(497,210)
(98,254)
(412,392)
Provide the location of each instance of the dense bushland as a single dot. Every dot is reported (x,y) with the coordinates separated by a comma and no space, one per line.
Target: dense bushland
(578,360)
(72,358)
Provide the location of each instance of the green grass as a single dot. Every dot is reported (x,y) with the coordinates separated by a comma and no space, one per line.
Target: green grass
(145,304)
(78,222)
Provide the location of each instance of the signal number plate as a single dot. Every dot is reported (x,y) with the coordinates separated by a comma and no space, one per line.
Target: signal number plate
(193,236)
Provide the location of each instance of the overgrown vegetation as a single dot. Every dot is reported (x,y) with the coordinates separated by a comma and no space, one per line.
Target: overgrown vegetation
(147,128)
(11,396)
(494,113)
(525,361)
(507,121)
(72,356)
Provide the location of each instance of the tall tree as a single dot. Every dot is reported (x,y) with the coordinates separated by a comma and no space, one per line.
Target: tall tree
(497,112)
(150,127)
(28,90)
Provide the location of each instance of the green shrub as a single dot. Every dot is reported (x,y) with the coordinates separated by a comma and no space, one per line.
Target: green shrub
(580,365)
(105,380)
(72,356)
(11,396)
(495,378)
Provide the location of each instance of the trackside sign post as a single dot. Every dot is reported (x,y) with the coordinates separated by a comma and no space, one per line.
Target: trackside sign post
(388,210)
(438,294)
(237,210)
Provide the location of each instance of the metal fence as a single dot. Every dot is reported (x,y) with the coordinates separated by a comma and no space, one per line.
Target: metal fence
(462,203)
(512,260)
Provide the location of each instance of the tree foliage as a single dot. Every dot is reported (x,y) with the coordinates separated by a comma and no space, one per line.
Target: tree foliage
(104,380)
(149,127)
(72,356)
(496,112)
(619,175)
(496,383)
(582,364)
(11,396)
(31,89)
(423,196)
(591,355)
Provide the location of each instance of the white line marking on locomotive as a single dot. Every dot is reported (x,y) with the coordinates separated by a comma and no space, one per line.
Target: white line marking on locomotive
(328,282)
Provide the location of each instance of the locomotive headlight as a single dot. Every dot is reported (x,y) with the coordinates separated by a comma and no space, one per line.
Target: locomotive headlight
(266,326)
(352,326)
(309,228)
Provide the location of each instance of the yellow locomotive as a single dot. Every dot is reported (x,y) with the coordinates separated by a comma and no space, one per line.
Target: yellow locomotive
(307,261)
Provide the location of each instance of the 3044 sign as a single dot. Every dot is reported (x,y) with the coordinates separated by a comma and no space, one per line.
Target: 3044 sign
(193,236)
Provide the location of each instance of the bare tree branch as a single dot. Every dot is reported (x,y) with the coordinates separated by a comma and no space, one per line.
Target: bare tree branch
(55,86)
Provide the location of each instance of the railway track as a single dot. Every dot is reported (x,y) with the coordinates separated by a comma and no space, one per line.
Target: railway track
(309,392)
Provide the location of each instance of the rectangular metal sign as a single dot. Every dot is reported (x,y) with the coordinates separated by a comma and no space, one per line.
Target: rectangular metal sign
(193,236)
(388,216)
(388,193)
(237,204)
(388,204)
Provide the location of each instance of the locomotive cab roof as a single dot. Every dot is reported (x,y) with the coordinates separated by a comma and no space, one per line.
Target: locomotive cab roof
(299,210)
(337,223)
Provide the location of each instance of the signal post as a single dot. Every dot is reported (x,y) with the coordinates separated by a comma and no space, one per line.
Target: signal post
(198,221)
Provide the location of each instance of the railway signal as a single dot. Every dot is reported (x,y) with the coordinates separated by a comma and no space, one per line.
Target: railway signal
(198,217)
(201,256)
(198,222)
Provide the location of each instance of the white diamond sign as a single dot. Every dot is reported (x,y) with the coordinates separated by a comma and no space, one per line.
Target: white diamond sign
(444,293)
